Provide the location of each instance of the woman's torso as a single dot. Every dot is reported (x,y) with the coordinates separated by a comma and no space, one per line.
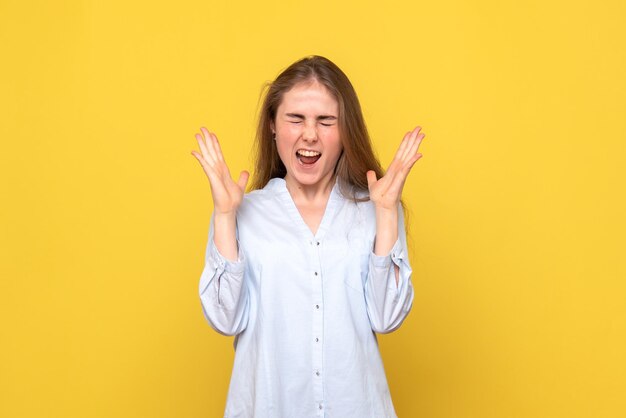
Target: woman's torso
(308,349)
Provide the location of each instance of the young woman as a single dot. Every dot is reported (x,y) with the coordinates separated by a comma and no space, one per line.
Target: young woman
(307,267)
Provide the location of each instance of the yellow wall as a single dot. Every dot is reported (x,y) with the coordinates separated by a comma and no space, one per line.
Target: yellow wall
(517,205)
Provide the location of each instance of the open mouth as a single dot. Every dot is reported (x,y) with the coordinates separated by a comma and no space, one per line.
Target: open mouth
(307,157)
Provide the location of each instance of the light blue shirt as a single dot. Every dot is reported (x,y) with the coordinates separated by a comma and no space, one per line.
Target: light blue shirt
(305,308)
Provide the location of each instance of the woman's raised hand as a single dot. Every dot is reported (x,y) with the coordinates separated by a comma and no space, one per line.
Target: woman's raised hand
(387,191)
(227,195)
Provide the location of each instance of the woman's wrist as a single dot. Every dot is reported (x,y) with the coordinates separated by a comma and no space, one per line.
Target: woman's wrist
(225,218)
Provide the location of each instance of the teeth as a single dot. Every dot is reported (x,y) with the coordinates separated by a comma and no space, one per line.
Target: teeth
(308,153)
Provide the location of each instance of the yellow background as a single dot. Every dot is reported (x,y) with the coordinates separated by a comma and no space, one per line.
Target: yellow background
(517,226)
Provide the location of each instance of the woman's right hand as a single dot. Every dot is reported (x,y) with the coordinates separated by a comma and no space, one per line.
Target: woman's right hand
(227,195)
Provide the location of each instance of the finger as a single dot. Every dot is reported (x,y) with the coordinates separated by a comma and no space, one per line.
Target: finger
(399,170)
(412,162)
(371,178)
(391,175)
(243,180)
(394,167)
(414,147)
(402,146)
(218,148)
(199,158)
(410,142)
(206,152)
(212,157)
(202,145)
(415,158)
(210,172)
(223,167)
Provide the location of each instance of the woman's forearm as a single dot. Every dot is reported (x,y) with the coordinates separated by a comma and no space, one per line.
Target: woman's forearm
(225,235)
(386,230)
(386,233)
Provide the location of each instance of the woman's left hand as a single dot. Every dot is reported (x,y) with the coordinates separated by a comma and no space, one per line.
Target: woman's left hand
(386,191)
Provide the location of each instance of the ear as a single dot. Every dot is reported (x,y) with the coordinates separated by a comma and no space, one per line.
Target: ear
(272,126)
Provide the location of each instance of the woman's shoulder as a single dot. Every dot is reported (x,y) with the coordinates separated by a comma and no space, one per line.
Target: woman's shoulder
(268,192)
(354,195)
(359,199)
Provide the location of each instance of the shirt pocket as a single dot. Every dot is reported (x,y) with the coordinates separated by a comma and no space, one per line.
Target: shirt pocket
(357,273)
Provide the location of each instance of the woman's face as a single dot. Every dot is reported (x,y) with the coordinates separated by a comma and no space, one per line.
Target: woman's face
(307,134)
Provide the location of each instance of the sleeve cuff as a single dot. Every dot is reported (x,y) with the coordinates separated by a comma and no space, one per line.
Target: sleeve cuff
(395,254)
(226,264)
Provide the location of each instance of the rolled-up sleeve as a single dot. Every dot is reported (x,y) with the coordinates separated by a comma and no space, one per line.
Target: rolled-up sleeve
(223,292)
(388,304)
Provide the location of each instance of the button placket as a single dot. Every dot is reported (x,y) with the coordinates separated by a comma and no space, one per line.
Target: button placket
(317,322)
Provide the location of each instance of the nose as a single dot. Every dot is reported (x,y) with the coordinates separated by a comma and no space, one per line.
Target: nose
(309,132)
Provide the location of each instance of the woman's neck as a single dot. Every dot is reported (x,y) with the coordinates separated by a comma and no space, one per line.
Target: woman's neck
(310,194)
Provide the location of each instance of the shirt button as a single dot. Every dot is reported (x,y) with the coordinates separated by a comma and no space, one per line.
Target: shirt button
(318,243)
(317,306)
(320,406)
(316,273)
(317,340)
(317,373)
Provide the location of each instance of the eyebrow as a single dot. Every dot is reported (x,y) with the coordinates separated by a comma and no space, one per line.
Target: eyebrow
(321,117)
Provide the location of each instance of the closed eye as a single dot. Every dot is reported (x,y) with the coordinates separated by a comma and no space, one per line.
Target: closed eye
(299,121)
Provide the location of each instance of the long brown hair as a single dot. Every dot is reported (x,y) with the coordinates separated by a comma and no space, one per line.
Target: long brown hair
(357,156)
